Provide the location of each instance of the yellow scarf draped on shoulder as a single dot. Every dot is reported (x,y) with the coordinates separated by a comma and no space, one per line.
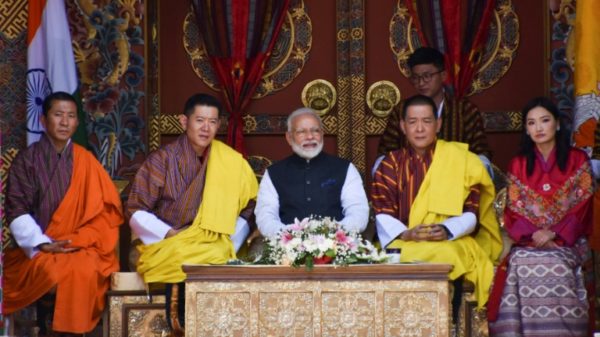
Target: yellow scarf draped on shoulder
(229,185)
(440,197)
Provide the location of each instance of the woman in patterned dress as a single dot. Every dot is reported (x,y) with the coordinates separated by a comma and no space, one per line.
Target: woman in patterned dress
(540,288)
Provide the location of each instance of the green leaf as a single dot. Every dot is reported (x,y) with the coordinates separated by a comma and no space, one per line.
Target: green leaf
(309,263)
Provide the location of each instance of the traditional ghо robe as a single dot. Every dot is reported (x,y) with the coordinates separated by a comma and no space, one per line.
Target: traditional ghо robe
(443,192)
(227,188)
(86,211)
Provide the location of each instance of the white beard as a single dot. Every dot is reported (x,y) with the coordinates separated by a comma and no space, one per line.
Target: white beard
(307,154)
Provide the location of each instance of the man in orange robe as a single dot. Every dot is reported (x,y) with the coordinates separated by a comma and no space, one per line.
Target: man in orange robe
(63,211)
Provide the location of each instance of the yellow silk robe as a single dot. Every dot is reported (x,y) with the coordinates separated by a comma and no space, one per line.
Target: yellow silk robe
(442,194)
(230,184)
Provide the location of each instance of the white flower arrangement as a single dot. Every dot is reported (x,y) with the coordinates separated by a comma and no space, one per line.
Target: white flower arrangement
(319,241)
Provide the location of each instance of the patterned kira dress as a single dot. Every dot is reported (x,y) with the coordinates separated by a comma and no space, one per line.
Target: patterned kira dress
(544,290)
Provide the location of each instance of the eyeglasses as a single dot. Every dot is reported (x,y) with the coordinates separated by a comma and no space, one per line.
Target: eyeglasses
(426,77)
(305,132)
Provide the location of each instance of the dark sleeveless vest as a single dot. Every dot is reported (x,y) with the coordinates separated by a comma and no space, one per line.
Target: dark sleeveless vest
(312,187)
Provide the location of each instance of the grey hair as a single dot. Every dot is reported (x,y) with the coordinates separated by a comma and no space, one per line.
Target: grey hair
(300,112)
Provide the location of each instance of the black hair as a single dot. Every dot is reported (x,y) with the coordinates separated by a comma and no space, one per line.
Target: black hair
(56,96)
(419,100)
(426,55)
(201,100)
(562,136)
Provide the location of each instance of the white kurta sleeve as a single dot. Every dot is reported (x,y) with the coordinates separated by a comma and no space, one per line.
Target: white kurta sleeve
(267,208)
(355,205)
(28,234)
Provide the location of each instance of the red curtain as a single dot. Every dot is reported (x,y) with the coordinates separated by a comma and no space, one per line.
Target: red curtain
(239,36)
(459,29)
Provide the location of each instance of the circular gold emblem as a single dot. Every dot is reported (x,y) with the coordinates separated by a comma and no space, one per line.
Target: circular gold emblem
(319,95)
(382,97)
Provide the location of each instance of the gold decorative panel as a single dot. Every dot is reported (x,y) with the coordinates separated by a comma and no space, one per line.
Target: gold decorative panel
(410,314)
(170,125)
(223,314)
(383,300)
(348,313)
(331,124)
(7,159)
(13,17)
(285,314)
(154,133)
(375,125)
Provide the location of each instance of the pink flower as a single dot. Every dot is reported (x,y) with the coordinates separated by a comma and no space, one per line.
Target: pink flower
(340,236)
(286,237)
(299,225)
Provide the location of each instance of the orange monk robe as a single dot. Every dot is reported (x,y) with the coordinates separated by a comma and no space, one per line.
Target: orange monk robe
(89,216)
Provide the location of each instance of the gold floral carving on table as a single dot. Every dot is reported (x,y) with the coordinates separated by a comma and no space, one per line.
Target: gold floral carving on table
(224,314)
(286,61)
(382,97)
(410,314)
(285,314)
(348,314)
(499,50)
(408,308)
(319,95)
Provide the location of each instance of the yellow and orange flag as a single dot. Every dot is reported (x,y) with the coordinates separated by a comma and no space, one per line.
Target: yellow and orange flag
(587,89)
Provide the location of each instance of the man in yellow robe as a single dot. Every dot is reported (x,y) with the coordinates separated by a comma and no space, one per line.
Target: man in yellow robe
(190,202)
(433,201)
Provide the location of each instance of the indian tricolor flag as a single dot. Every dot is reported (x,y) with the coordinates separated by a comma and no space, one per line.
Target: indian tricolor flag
(50,62)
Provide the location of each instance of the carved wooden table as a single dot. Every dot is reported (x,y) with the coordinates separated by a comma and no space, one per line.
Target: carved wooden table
(360,300)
